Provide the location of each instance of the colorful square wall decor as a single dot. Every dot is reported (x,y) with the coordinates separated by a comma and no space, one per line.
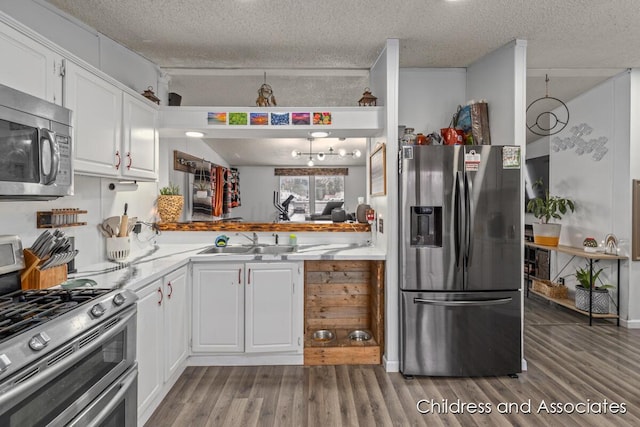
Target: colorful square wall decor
(301,118)
(259,119)
(279,119)
(216,118)
(237,118)
(322,118)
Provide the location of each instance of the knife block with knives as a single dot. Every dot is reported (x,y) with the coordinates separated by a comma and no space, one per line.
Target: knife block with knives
(33,277)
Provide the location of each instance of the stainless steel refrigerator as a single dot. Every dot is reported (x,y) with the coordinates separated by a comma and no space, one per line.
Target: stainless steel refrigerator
(460,270)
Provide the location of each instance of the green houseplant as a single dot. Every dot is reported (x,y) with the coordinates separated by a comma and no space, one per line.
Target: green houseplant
(599,294)
(544,209)
(170,203)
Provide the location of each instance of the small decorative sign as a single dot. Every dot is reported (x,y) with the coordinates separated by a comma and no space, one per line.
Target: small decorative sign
(472,161)
(511,158)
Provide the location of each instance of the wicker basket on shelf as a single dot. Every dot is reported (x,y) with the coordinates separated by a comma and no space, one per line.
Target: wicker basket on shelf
(170,207)
(550,289)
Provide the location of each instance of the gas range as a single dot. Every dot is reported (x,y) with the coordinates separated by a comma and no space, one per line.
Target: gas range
(35,322)
(67,356)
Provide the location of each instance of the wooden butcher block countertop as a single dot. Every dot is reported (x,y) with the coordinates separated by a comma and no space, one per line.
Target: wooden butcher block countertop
(265,226)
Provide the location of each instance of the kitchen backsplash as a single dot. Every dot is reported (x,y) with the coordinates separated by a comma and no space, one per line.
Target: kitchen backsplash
(93,195)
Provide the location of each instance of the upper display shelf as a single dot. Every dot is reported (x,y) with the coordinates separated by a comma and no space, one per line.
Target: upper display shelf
(272,122)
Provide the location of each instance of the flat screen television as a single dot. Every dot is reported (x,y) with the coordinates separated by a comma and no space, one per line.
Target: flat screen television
(535,169)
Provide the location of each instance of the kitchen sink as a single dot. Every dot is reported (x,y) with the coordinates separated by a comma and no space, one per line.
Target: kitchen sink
(227,250)
(273,250)
(248,249)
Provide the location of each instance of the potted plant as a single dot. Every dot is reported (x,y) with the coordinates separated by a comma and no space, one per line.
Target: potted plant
(170,203)
(544,209)
(600,294)
(202,188)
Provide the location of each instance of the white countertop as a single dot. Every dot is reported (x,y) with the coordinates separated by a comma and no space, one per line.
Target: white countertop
(143,268)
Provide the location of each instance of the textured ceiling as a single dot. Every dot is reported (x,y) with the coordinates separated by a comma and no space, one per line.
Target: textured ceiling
(587,40)
(350,34)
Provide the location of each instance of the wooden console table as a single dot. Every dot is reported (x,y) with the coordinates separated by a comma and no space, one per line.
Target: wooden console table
(591,257)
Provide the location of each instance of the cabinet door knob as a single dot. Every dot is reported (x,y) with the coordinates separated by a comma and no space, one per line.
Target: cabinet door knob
(130,160)
(118,160)
(161,296)
(170,290)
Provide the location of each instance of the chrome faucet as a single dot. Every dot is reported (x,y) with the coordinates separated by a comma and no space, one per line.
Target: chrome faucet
(254,238)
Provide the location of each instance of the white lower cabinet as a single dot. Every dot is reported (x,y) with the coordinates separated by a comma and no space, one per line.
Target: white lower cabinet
(162,338)
(247,307)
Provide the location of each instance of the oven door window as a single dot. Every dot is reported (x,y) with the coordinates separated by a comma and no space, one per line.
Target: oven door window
(67,393)
(19,161)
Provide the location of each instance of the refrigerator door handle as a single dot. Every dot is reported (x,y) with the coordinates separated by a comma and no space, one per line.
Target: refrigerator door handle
(470,216)
(458,219)
(464,303)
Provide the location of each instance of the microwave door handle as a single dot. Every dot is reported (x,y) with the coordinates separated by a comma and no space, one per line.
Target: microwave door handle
(49,137)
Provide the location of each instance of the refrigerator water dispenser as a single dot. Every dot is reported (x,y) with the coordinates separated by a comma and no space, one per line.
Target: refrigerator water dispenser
(426,226)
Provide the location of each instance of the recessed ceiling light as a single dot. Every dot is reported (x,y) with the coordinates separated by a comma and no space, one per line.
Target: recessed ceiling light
(319,134)
(194,134)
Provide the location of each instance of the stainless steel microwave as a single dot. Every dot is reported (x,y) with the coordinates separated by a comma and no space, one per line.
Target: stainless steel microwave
(35,148)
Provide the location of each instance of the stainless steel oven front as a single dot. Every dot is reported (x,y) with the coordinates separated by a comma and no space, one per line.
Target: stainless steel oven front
(90,380)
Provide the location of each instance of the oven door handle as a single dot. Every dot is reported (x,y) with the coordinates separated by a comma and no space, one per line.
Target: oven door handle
(124,387)
(25,388)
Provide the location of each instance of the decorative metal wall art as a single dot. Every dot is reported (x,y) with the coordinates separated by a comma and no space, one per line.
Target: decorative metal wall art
(554,115)
(593,146)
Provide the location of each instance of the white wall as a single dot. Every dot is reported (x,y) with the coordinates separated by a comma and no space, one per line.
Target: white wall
(91,194)
(290,88)
(428,97)
(601,189)
(384,83)
(257,184)
(500,78)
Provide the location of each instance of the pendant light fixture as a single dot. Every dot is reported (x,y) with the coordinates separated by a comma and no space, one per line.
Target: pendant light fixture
(321,155)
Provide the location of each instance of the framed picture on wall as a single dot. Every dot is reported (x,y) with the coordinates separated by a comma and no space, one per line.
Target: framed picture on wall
(378,172)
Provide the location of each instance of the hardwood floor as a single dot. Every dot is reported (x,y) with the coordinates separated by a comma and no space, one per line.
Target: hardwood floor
(568,363)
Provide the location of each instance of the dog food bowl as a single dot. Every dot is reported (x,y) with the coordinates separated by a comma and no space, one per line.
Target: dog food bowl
(323,335)
(359,335)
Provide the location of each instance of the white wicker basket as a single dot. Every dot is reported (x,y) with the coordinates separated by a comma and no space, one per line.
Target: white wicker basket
(118,248)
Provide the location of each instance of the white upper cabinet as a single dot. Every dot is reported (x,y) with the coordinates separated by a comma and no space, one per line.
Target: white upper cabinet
(140,139)
(97,121)
(115,133)
(29,66)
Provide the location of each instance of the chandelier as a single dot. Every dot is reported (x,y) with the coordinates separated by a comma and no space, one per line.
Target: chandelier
(322,155)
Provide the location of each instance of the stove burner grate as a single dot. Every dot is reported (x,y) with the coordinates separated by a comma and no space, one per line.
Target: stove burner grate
(22,310)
